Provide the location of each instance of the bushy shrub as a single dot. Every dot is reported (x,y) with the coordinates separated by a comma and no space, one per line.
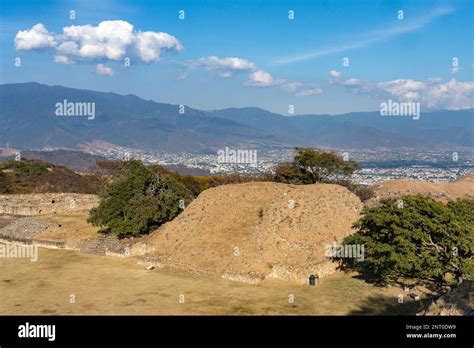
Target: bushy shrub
(25,167)
(138,200)
(310,166)
(415,237)
(4,187)
(364,192)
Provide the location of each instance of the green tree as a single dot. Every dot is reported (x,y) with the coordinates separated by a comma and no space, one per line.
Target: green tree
(415,237)
(138,200)
(310,166)
(289,173)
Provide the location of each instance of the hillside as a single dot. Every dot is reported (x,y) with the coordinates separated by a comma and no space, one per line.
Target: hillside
(461,188)
(124,120)
(32,176)
(127,120)
(75,160)
(260,230)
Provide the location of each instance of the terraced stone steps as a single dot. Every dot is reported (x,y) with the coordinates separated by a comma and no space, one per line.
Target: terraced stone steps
(103,245)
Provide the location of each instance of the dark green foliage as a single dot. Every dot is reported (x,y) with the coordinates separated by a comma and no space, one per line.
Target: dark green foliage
(310,166)
(364,192)
(235,179)
(420,239)
(4,187)
(194,184)
(24,167)
(288,173)
(137,200)
(197,184)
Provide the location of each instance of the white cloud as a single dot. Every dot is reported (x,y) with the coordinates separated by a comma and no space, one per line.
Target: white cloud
(37,38)
(334,74)
(228,63)
(109,40)
(225,66)
(228,66)
(151,46)
(261,78)
(452,95)
(292,87)
(62,59)
(432,94)
(407,90)
(102,69)
(353,82)
(309,92)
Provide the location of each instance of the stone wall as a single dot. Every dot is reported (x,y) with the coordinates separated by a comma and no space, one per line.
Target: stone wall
(22,230)
(46,203)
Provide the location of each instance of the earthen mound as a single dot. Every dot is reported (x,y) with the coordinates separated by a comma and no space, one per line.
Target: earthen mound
(253,231)
(461,188)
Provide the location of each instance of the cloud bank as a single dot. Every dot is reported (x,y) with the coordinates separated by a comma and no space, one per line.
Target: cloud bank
(108,41)
(432,94)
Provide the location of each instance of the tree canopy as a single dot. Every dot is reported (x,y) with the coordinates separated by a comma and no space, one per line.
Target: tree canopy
(310,166)
(415,237)
(137,200)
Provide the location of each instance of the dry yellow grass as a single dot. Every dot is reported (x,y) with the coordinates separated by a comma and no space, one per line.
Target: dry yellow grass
(259,230)
(67,227)
(105,285)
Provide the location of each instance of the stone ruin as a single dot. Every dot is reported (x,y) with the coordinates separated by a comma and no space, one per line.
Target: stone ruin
(46,203)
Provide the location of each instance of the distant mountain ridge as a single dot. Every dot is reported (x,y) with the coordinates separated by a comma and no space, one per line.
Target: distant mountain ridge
(28,120)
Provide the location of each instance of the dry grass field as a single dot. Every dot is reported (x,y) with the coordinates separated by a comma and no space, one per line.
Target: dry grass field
(106,286)
(67,228)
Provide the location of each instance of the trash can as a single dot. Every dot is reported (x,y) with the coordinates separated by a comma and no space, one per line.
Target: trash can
(312,280)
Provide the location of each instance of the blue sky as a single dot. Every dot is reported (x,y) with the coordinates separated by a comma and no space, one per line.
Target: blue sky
(248,53)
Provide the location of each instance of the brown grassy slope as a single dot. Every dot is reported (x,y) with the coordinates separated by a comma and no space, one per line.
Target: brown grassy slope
(461,188)
(252,230)
(32,176)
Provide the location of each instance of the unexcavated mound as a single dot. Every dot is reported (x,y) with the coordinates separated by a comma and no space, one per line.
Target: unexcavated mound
(461,188)
(259,230)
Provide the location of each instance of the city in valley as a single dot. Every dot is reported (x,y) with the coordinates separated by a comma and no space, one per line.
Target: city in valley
(376,165)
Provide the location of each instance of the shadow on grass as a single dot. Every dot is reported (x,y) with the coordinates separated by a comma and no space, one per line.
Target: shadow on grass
(387,305)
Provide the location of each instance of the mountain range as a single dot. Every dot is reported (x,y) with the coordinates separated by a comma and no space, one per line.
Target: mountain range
(28,120)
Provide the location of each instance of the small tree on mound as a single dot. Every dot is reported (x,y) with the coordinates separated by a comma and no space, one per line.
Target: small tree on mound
(310,166)
(415,237)
(137,200)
